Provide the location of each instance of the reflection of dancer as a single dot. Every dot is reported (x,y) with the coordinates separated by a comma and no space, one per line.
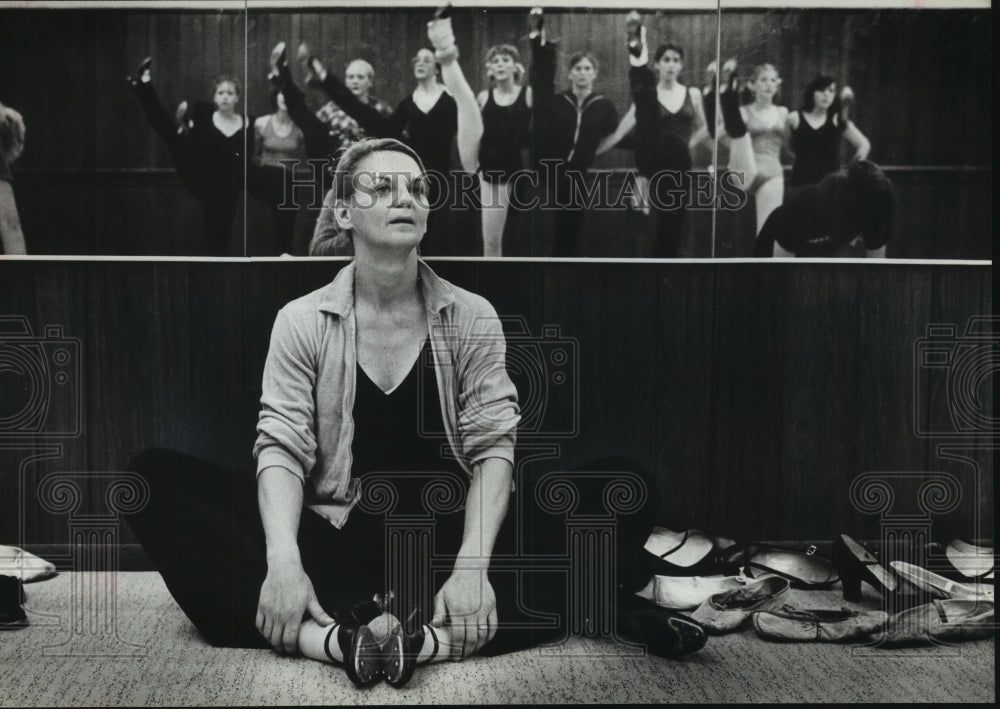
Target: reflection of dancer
(359,78)
(816,129)
(568,127)
(208,150)
(426,120)
(277,138)
(506,108)
(11,146)
(848,206)
(669,119)
(328,239)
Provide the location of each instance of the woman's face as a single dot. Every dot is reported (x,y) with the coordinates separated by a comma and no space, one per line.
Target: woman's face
(226,97)
(357,79)
(424,64)
(582,74)
(766,83)
(501,66)
(823,99)
(670,64)
(279,102)
(389,206)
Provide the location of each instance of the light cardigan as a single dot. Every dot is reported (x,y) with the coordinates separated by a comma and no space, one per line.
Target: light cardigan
(306,424)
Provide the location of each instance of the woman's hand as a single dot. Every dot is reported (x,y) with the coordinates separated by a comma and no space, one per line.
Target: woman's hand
(469,605)
(285,595)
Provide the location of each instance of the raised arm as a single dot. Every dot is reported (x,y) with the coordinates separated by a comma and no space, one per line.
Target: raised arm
(368,117)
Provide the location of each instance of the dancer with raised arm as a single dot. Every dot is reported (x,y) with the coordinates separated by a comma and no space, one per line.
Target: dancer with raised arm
(209,144)
(568,127)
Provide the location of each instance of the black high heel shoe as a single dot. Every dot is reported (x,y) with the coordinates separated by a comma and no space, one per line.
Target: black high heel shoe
(856,564)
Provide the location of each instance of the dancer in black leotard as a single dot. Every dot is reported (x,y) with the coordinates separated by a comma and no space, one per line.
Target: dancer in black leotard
(669,119)
(816,130)
(506,108)
(208,147)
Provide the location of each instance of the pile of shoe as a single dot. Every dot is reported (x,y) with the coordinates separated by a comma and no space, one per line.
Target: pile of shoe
(723,584)
(18,567)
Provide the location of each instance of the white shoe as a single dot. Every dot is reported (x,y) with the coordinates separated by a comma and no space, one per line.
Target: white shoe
(24,565)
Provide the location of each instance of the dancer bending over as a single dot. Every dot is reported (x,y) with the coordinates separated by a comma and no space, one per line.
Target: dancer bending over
(853,205)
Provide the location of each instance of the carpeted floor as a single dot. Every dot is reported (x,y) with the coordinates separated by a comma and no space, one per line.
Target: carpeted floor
(157,659)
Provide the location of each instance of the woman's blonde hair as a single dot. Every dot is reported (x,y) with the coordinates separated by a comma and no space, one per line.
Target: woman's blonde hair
(328,238)
(511,51)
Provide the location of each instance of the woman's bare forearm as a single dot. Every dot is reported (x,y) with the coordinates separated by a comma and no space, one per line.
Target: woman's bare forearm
(485,509)
(279,495)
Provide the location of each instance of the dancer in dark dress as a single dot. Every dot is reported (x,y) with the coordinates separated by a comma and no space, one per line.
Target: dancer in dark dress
(209,144)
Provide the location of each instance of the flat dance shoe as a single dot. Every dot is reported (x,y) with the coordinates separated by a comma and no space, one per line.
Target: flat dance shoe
(439,30)
(24,565)
(633,30)
(793,624)
(938,586)
(694,553)
(803,570)
(314,69)
(278,60)
(664,632)
(141,74)
(688,592)
(944,620)
(971,561)
(725,612)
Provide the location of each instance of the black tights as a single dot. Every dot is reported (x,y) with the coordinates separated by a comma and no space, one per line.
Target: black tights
(202,530)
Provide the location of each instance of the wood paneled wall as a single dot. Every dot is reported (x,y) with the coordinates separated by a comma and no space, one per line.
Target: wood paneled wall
(756,392)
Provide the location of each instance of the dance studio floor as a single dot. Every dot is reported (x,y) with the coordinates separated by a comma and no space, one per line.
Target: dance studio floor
(156,659)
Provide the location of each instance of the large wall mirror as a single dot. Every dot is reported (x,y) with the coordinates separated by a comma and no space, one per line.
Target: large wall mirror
(683,144)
